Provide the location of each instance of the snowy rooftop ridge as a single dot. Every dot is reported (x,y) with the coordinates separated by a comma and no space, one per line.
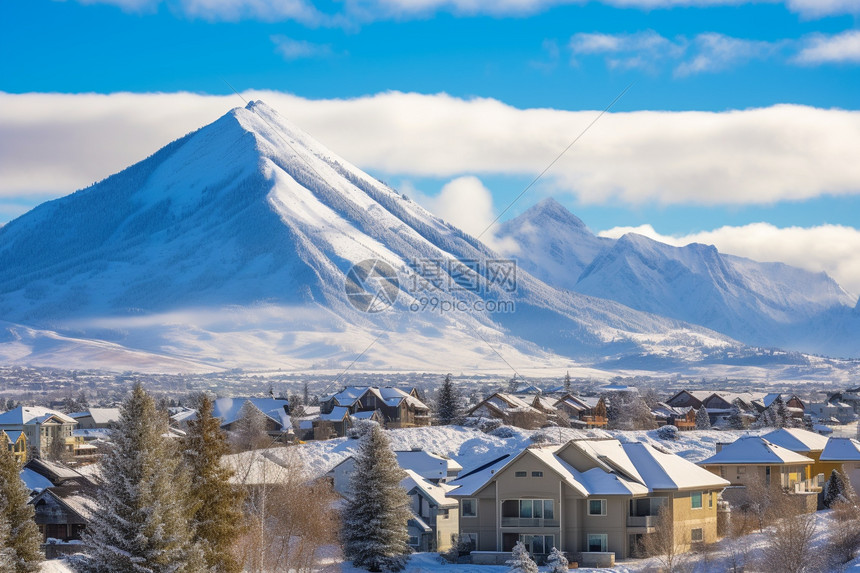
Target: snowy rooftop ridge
(755,450)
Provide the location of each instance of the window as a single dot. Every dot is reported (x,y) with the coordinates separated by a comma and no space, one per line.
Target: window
(521,474)
(696,500)
(537,474)
(696,535)
(443,513)
(469,507)
(413,540)
(710,500)
(538,544)
(596,507)
(597,541)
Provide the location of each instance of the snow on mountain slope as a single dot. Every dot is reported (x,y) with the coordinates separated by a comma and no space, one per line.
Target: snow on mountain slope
(232,246)
(769,304)
(554,245)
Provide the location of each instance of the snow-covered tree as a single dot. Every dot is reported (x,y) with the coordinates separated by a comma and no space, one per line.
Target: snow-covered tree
(567,382)
(520,560)
(703,421)
(217,505)
(6,562)
(835,489)
(375,535)
(736,418)
(556,562)
(22,539)
(628,411)
(142,522)
(448,404)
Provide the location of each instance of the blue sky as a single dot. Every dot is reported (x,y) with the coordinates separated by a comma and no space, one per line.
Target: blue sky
(568,57)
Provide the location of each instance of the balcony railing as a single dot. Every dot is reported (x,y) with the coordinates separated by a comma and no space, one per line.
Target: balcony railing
(528,522)
(642,520)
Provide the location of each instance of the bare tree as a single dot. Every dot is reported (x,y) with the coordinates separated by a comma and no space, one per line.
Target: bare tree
(789,539)
(843,541)
(663,545)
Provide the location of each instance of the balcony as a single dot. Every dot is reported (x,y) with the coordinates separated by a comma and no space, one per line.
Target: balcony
(528,522)
(642,520)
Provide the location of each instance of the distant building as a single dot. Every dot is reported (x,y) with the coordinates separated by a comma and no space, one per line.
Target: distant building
(42,428)
(96,418)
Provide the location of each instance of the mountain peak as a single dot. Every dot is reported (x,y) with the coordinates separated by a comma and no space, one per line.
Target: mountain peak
(552,210)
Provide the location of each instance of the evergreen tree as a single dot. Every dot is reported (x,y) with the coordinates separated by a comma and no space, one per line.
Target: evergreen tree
(567,382)
(703,421)
(448,409)
(142,524)
(520,561)
(375,534)
(22,538)
(783,418)
(736,419)
(556,562)
(217,511)
(513,384)
(6,562)
(835,489)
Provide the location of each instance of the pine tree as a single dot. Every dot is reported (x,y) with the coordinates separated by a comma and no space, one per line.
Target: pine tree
(217,513)
(448,410)
(556,562)
(375,534)
(736,419)
(567,382)
(782,415)
(703,421)
(6,562)
(834,489)
(142,524)
(22,539)
(520,561)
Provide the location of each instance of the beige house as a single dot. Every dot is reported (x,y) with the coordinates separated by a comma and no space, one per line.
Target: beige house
(805,443)
(844,455)
(435,520)
(41,427)
(754,459)
(597,497)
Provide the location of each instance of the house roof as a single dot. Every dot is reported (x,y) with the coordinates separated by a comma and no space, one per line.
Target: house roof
(34,480)
(99,415)
(55,472)
(13,435)
(390,395)
(755,450)
(426,464)
(797,440)
(229,410)
(32,415)
(504,402)
(337,414)
(841,450)
(74,498)
(437,494)
(620,469)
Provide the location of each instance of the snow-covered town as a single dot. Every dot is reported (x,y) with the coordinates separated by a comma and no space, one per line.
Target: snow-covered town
(385,478)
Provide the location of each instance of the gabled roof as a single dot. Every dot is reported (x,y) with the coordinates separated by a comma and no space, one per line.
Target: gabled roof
(437,494)
(503,403)
(426,464)
(55,472)
(229,410)
(99,415)
(755,450)
(14,435)
(841,450)
(390,395)
(797,440)
(34,480)
(75,499)
(337,414)
(32,415)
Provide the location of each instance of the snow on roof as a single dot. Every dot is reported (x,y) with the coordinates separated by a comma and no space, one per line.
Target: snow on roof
(611,454)
(362,415)
(473,481)
(100,415)
(419,523)
(255,468)
(619,388)
(427,464)
(229,410)
(598,482)
(769,399)
(435,493)
(394,396)
(505,401)
(337,414)
(662,470)
(797,440)
(755,450)
(841,450)
(32,414)
(34,480)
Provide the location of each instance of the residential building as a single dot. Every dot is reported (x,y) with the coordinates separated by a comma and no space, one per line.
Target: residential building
(274,413)
(583,411)
(844,454)
(435,522)
(41,427)
(398,408)
(596,497)
(754,459)
(16,442)
(432,467)
(511,409)
(806,443)
(96,418)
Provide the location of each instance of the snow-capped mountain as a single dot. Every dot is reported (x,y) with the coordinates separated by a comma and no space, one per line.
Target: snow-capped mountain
(766,304)
(233,246)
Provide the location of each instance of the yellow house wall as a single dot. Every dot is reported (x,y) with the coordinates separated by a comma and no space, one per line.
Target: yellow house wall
(686,518)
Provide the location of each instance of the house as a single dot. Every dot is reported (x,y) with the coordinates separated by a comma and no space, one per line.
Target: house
(844,454)
(806,443)
(511,409)
(719,405)
(596,497)
(835,409)
(96,418)
(753,458)
(587,412)
(273,413)
(43,427)
(682,417)
(398,408)
(16,442)
(435,516)
(435,523)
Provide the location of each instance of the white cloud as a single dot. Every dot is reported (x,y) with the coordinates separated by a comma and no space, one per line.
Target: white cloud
(291,49)
(57,143)
(821,49)
(834,249)
(359,11)
(713,52)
